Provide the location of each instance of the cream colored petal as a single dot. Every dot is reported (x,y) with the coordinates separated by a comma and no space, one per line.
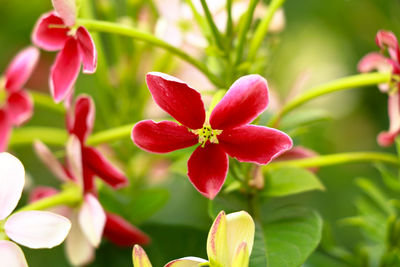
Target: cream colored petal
(139,257)
(186,262)
(217,246)
(241,257)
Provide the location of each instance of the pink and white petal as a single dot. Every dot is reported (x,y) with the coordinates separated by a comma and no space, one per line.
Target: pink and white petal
(82,121)
(11,255)
(79,250)
(122,233)
(48,37)
(374,61)
(5,130)
(74,159)
(66,9)
(207,169)
(139,257)
(21,68)
(37,229)
(12,179)
(51,162)
(92,219)
(88,50)
(242,256)
(387,38)
(41,192)
(388,138)
(103,168)
(298,152)
(162,137)
(256,144)
(177,99)
(186,262)
(65,70)
(245,100)
(240,228)
(217,242)
(19,107)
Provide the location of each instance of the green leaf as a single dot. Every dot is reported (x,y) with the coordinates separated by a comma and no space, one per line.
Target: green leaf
(304,117)
(258,257)
(290,180)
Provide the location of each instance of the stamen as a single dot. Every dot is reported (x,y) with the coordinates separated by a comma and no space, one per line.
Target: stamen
(207,134)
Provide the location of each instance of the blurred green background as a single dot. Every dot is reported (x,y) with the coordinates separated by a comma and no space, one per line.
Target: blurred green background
(323,40)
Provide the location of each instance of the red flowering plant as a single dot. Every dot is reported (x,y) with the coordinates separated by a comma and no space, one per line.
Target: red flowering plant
(55,31)
(16,105)
(225,132)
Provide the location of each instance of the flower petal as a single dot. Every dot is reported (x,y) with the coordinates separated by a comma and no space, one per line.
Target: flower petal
(79,250)
(51,162)
(177,99)
(217,242)
(5,130)
(298,152)
(12,179)
(21,68)
(74,159)
(65,70)
(66,9)
(256,144)
(387,38)
(139,257)
(92,219)
(11,255)
(374,61)
(37,229)
(244,101)
(387,138)
(186,262)
(41,192)
(81,121)
(103,168)
(88,50)
(242,256)
(122,233)
(48,37)
(207,169)
(162,137)
(240,228)
(19,107)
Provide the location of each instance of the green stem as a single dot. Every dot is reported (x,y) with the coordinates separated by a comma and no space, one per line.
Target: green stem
(27,135)
(45,101)
(346,83)
(70,197)
(244,30)
(336,159)
(114,134)
(110,27)
(211,24)
(262,28)
(229,22)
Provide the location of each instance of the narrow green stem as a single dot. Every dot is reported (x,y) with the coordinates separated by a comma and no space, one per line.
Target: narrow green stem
(346,83)
(262,28)
(27,135)
(110,27)
(229,22)
(244,30)
(336,159)
(45,101)
(211,24)
(114,134)
(70,197)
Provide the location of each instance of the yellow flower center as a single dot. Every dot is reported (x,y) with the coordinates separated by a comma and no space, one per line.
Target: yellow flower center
(207,134)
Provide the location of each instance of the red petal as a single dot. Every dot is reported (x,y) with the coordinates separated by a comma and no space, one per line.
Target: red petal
(50,38)
(81,121)
(257,144)
(162,137)
(5,130)
(19,107)
(88,50)
(41,192)
(374,61)
(244,101)
(88,180)
(387,138)
(207,169)
(65,70)
(101,167)
(122,233)
(177,99)
(386,38)
(21,68)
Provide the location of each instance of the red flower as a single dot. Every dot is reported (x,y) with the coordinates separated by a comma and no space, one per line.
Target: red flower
(386,40)
(16,106)
(225,132)
(56,31)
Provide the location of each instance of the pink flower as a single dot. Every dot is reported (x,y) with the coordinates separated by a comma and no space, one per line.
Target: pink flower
(225,132)
(34,229)
(16,106)
(377,61)
(57,31)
